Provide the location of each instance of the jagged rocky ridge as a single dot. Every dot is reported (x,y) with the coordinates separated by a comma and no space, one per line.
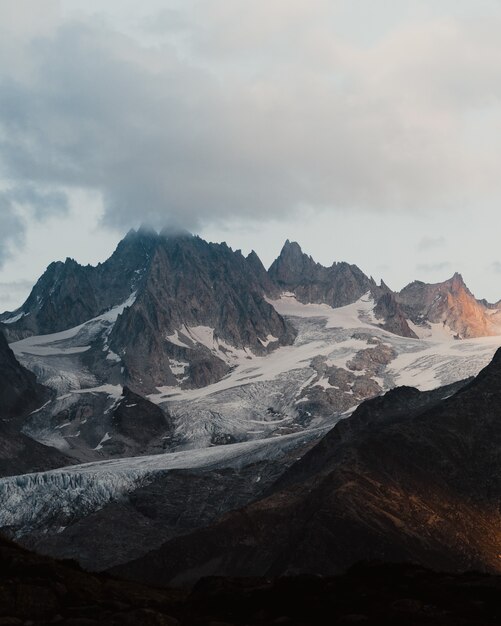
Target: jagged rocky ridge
(336,286)
(69,294)
(199,304)
(411,476)
(190,306)
(175,312)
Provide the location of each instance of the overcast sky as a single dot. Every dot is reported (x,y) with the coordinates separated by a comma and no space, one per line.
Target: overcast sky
(367,130)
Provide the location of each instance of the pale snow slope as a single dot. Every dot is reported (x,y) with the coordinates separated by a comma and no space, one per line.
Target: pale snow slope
(54,358)
(62,343)
(239,403)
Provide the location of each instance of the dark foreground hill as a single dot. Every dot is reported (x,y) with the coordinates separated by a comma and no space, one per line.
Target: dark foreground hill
(37,591)
(410,476)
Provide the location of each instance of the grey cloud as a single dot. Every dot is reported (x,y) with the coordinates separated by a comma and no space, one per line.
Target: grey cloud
(13,291)
(496,267)
(11,230)
(433,267)
(428,243)
(169,141)
(39,204)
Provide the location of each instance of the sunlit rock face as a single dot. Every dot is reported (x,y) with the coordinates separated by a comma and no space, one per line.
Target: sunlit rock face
(451,304)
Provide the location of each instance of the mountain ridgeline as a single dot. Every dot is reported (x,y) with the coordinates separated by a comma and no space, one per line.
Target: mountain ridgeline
(215,417)
(198,305)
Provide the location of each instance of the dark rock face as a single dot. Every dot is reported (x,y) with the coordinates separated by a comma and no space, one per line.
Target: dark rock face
(19,391)
(141,420)
(450,303)
(410,476)
(193,284)
(389,310)
(338,285)
(91,426)
(20,394)
(21,455)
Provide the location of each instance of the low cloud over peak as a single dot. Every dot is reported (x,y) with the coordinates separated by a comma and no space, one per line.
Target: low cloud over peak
(164,137)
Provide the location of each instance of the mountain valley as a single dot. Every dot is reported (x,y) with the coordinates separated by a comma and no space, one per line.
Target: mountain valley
(178,397)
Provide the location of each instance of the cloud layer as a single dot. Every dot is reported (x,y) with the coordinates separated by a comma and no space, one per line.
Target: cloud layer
(245,111)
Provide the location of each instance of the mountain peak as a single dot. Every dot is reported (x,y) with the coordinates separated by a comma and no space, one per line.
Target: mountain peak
(291,248)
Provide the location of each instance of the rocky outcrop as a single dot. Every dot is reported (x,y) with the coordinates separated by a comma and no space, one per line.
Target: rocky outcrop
(338,285)
(453,305)
(20,454)
(341,284)
(20,395)
(392,315)
(90,426)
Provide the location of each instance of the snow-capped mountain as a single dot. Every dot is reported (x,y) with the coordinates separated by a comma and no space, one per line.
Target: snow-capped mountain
(228,351)
(183,365)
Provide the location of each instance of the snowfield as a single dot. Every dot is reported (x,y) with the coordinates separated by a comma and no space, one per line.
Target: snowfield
(266,395)
(260,402)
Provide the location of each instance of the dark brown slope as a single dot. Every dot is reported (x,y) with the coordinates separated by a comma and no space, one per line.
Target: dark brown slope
(409,477)
(21,455)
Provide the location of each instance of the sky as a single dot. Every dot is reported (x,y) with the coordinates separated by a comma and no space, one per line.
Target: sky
(367,130)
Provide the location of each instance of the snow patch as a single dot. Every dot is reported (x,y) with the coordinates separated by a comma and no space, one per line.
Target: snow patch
(269,339)
(15,318)
(106,438)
